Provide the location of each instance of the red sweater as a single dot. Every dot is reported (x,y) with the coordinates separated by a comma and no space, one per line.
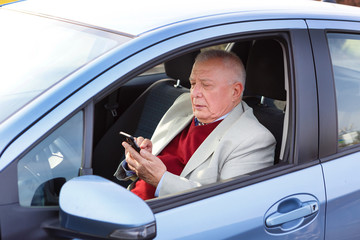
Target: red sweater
(176,154)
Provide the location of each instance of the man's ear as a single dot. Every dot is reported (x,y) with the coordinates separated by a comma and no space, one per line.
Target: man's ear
(238,89)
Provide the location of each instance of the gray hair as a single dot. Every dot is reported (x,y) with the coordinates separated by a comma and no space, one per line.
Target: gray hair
(230,61)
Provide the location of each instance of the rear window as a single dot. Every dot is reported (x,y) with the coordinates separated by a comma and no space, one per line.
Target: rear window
(37,52)
(345,57)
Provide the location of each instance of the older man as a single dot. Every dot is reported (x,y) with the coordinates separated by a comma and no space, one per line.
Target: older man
(206,136)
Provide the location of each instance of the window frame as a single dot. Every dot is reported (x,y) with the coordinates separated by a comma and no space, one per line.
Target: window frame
(298,47)
(328,121)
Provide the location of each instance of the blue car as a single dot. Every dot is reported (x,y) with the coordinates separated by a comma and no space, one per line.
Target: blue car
(75,73)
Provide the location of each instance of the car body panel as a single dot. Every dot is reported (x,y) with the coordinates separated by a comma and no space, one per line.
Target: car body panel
(343,197)
(244,210)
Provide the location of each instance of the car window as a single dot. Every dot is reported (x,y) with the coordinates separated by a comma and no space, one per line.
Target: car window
(143,115)
(56,159)
(345,57)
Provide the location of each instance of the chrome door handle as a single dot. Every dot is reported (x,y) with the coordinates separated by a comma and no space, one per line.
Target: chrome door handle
(278,218)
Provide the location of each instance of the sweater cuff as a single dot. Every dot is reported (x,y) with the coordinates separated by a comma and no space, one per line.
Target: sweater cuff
(123,172)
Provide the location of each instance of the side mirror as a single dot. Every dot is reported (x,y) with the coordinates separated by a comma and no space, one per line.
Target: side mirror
(94,206)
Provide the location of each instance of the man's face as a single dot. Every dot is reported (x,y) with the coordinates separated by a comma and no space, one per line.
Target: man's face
(213,91)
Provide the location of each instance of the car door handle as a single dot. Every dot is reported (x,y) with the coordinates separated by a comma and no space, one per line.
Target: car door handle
(278,218)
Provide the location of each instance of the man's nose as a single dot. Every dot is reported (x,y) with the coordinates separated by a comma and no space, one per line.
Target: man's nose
(196,91)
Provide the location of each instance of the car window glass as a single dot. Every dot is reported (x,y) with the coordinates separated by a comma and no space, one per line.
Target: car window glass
(345,57)
(56,159)
(47,51)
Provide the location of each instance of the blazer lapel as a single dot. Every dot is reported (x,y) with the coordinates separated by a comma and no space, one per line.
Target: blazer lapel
(174,128)
(211,142)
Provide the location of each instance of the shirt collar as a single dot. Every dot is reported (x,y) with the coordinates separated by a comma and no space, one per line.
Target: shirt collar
(197,122)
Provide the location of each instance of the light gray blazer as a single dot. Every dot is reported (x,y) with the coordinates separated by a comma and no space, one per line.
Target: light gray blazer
(238,145)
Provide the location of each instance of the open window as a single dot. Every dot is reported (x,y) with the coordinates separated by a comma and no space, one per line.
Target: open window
(137,106)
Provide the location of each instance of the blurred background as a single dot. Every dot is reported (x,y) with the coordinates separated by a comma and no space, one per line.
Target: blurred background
(346,2)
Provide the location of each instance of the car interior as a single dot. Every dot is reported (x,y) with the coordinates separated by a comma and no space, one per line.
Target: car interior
(138,106)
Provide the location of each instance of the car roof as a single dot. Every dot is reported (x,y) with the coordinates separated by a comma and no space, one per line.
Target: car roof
(137,17)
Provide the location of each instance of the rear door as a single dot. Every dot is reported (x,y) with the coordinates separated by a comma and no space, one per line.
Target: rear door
(337,56)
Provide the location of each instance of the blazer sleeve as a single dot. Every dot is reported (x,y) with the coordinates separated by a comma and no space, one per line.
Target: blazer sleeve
(254,152)
(174,184)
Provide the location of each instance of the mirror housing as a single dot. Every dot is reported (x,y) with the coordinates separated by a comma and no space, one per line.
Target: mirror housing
(98,207)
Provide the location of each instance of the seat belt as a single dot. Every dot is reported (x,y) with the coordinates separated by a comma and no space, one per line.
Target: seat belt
(111,107)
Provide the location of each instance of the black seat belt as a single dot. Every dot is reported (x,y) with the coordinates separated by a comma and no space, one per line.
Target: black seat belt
(111,107)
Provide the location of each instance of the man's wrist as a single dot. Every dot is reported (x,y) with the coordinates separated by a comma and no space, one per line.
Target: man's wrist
(157,191)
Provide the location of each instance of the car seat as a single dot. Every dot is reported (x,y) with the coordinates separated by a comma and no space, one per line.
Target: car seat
(265,82)
(142,117)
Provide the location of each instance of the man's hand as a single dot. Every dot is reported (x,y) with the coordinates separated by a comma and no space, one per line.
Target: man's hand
(146,166)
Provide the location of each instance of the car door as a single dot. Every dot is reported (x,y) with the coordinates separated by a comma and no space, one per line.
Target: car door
(337,56)
(244,208)
(247,208)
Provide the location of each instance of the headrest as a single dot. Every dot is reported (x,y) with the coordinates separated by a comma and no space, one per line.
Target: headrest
(265,70)
(180,68)
(241,49)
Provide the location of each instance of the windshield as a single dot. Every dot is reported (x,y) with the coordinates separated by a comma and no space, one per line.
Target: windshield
(37,52)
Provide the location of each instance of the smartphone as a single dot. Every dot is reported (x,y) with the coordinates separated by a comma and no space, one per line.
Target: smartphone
(131,141)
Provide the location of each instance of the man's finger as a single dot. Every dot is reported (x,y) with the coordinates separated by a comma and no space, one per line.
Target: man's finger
(129,148)
(134,154)
(139,140)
